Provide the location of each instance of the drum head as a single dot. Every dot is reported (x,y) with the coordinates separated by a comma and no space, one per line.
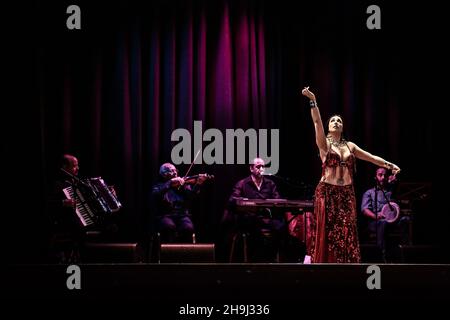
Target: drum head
(391,212)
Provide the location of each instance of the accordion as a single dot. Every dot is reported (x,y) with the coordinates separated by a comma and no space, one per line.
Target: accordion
(95,202)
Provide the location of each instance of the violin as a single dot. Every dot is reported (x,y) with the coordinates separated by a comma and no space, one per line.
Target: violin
(193,179)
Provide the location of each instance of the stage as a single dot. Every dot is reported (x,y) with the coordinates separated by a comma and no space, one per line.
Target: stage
(218,283)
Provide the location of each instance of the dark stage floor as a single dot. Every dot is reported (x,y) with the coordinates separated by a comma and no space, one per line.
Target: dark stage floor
(213,283)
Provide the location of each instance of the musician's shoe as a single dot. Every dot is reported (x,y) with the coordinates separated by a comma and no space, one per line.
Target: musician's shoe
(307,260)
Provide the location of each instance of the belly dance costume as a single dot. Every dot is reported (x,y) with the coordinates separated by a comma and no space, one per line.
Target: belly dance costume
(334,225)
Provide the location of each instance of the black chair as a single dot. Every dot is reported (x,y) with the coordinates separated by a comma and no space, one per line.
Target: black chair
(238,239)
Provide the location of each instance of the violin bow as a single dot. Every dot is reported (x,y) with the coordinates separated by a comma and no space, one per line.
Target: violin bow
(195,158)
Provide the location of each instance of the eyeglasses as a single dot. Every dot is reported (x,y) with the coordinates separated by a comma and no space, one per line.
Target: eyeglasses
(259,166)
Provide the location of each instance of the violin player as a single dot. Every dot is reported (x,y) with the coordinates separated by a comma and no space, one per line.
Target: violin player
(172,200)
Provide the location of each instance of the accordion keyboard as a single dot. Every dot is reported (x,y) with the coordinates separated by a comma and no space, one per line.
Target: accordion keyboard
(83,211)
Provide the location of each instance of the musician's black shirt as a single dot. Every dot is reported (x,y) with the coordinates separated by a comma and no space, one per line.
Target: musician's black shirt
(246,188)
(173,201)
(63,219)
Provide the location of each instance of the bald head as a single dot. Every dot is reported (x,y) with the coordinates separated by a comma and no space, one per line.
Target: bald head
(70,164)
(257,167)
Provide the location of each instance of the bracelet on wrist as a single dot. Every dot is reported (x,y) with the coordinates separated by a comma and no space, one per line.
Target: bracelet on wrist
(312,104)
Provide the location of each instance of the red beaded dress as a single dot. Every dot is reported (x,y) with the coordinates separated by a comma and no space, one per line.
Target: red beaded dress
(334,226)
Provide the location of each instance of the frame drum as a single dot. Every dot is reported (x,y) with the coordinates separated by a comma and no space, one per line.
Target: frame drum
(391,212)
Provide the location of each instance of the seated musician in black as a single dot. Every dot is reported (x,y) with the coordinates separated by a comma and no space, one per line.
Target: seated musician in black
(66,228)
(171,199)
(260,222)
